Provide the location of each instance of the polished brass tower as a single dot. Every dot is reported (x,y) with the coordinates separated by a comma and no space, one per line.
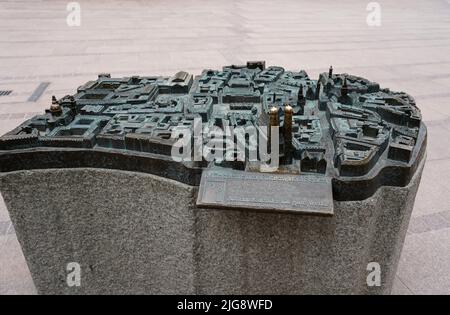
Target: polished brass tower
(288,112)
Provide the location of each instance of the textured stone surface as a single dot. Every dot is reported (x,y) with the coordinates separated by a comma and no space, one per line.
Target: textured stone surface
(419,271)
(126,240)
(280,253)
(4,217)
(138,233)
(15,277)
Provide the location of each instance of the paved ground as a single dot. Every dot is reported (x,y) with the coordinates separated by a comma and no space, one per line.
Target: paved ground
(409,51)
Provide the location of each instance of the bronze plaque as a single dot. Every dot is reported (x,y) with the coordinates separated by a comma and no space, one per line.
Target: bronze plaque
(232,189)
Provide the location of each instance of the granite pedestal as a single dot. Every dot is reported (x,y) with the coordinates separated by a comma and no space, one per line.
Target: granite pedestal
(137,233)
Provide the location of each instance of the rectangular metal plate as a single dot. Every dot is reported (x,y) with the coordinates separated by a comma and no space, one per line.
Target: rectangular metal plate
(232,189)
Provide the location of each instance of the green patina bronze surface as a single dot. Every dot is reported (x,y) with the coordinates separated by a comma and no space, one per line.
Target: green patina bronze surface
(347,138)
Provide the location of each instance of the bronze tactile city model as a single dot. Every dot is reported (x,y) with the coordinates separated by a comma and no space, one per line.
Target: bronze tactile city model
(94,182)
(344,136)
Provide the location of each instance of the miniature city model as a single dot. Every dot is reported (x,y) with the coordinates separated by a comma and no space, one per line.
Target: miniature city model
(341,137)
(101,179)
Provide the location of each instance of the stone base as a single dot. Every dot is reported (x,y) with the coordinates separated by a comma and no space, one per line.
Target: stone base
(136,233)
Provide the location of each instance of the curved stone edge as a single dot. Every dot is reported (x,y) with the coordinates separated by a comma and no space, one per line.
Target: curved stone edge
(139,233)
